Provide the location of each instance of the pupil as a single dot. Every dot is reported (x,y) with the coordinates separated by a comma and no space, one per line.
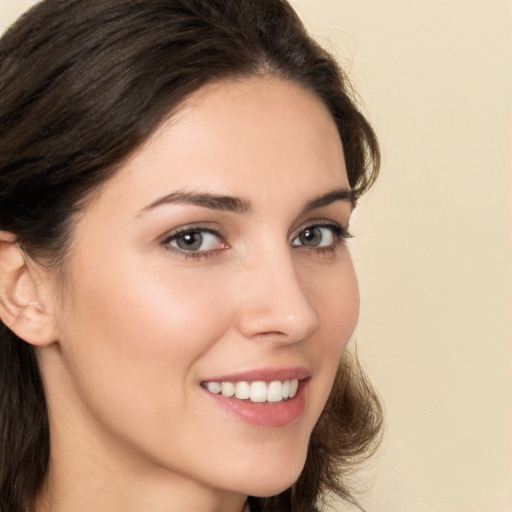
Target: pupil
(190,241)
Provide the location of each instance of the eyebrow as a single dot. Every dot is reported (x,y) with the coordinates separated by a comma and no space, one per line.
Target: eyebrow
(242,206)
(206,200)
(340,194)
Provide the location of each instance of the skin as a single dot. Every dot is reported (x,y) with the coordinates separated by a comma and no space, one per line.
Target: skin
(140,322)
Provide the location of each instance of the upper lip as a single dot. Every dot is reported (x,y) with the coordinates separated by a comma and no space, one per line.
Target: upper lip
(263,374)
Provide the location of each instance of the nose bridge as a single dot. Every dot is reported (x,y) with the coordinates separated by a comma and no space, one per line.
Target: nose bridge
(274,300)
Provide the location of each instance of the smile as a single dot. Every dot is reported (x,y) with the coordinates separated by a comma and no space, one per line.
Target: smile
(258,391)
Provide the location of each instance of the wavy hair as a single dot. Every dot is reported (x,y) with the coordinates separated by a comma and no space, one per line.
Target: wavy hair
(83,83)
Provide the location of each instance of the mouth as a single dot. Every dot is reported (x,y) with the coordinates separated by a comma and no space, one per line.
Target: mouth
(262,398)
(259,391)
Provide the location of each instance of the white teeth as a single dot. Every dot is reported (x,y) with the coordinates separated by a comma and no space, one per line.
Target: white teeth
(242,390)
(258,391)
(227,389)
(294,384)
(214,387)
(275,391)
(286,389)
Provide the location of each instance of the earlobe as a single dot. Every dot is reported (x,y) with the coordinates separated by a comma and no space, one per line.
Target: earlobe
(20,306)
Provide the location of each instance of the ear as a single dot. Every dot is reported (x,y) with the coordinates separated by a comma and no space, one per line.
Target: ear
(21,307)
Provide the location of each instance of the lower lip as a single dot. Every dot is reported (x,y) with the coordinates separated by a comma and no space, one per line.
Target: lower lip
(265,414)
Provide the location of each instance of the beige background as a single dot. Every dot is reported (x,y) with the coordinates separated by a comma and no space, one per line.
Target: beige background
(434,243)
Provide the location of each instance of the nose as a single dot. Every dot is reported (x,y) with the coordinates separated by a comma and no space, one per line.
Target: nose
(273,303)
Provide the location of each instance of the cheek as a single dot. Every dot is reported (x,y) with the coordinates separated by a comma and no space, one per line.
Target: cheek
(136,336)
(342,309)
(335,296)
(133,337)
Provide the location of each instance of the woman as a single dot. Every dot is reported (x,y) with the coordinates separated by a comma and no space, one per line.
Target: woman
(177,179)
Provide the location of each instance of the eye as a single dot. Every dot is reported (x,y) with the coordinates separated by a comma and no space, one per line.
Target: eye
(319,236)
(195,240)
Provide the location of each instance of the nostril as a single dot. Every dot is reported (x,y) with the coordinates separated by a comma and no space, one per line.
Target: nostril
(278,326)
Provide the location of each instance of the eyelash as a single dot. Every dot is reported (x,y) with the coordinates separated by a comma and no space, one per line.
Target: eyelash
(340,235)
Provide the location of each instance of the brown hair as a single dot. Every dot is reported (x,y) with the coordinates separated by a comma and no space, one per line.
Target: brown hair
(83,83)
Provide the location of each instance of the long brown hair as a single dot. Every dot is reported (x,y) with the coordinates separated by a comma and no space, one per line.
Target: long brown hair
(83,83)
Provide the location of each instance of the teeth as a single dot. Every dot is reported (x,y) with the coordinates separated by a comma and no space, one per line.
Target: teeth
(258,391)
(275,391)
(242,390)
(214,387)
(227,389)
(294,384)
(286,389)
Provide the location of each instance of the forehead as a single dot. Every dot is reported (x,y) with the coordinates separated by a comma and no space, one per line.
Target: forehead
(245,137)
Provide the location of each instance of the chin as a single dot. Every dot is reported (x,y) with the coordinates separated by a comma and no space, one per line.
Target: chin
(276,475)
(265,488)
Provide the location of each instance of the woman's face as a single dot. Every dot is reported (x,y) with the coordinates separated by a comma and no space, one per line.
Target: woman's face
(216,254)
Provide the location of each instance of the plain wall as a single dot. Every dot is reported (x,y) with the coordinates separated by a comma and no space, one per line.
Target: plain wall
(434,243)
